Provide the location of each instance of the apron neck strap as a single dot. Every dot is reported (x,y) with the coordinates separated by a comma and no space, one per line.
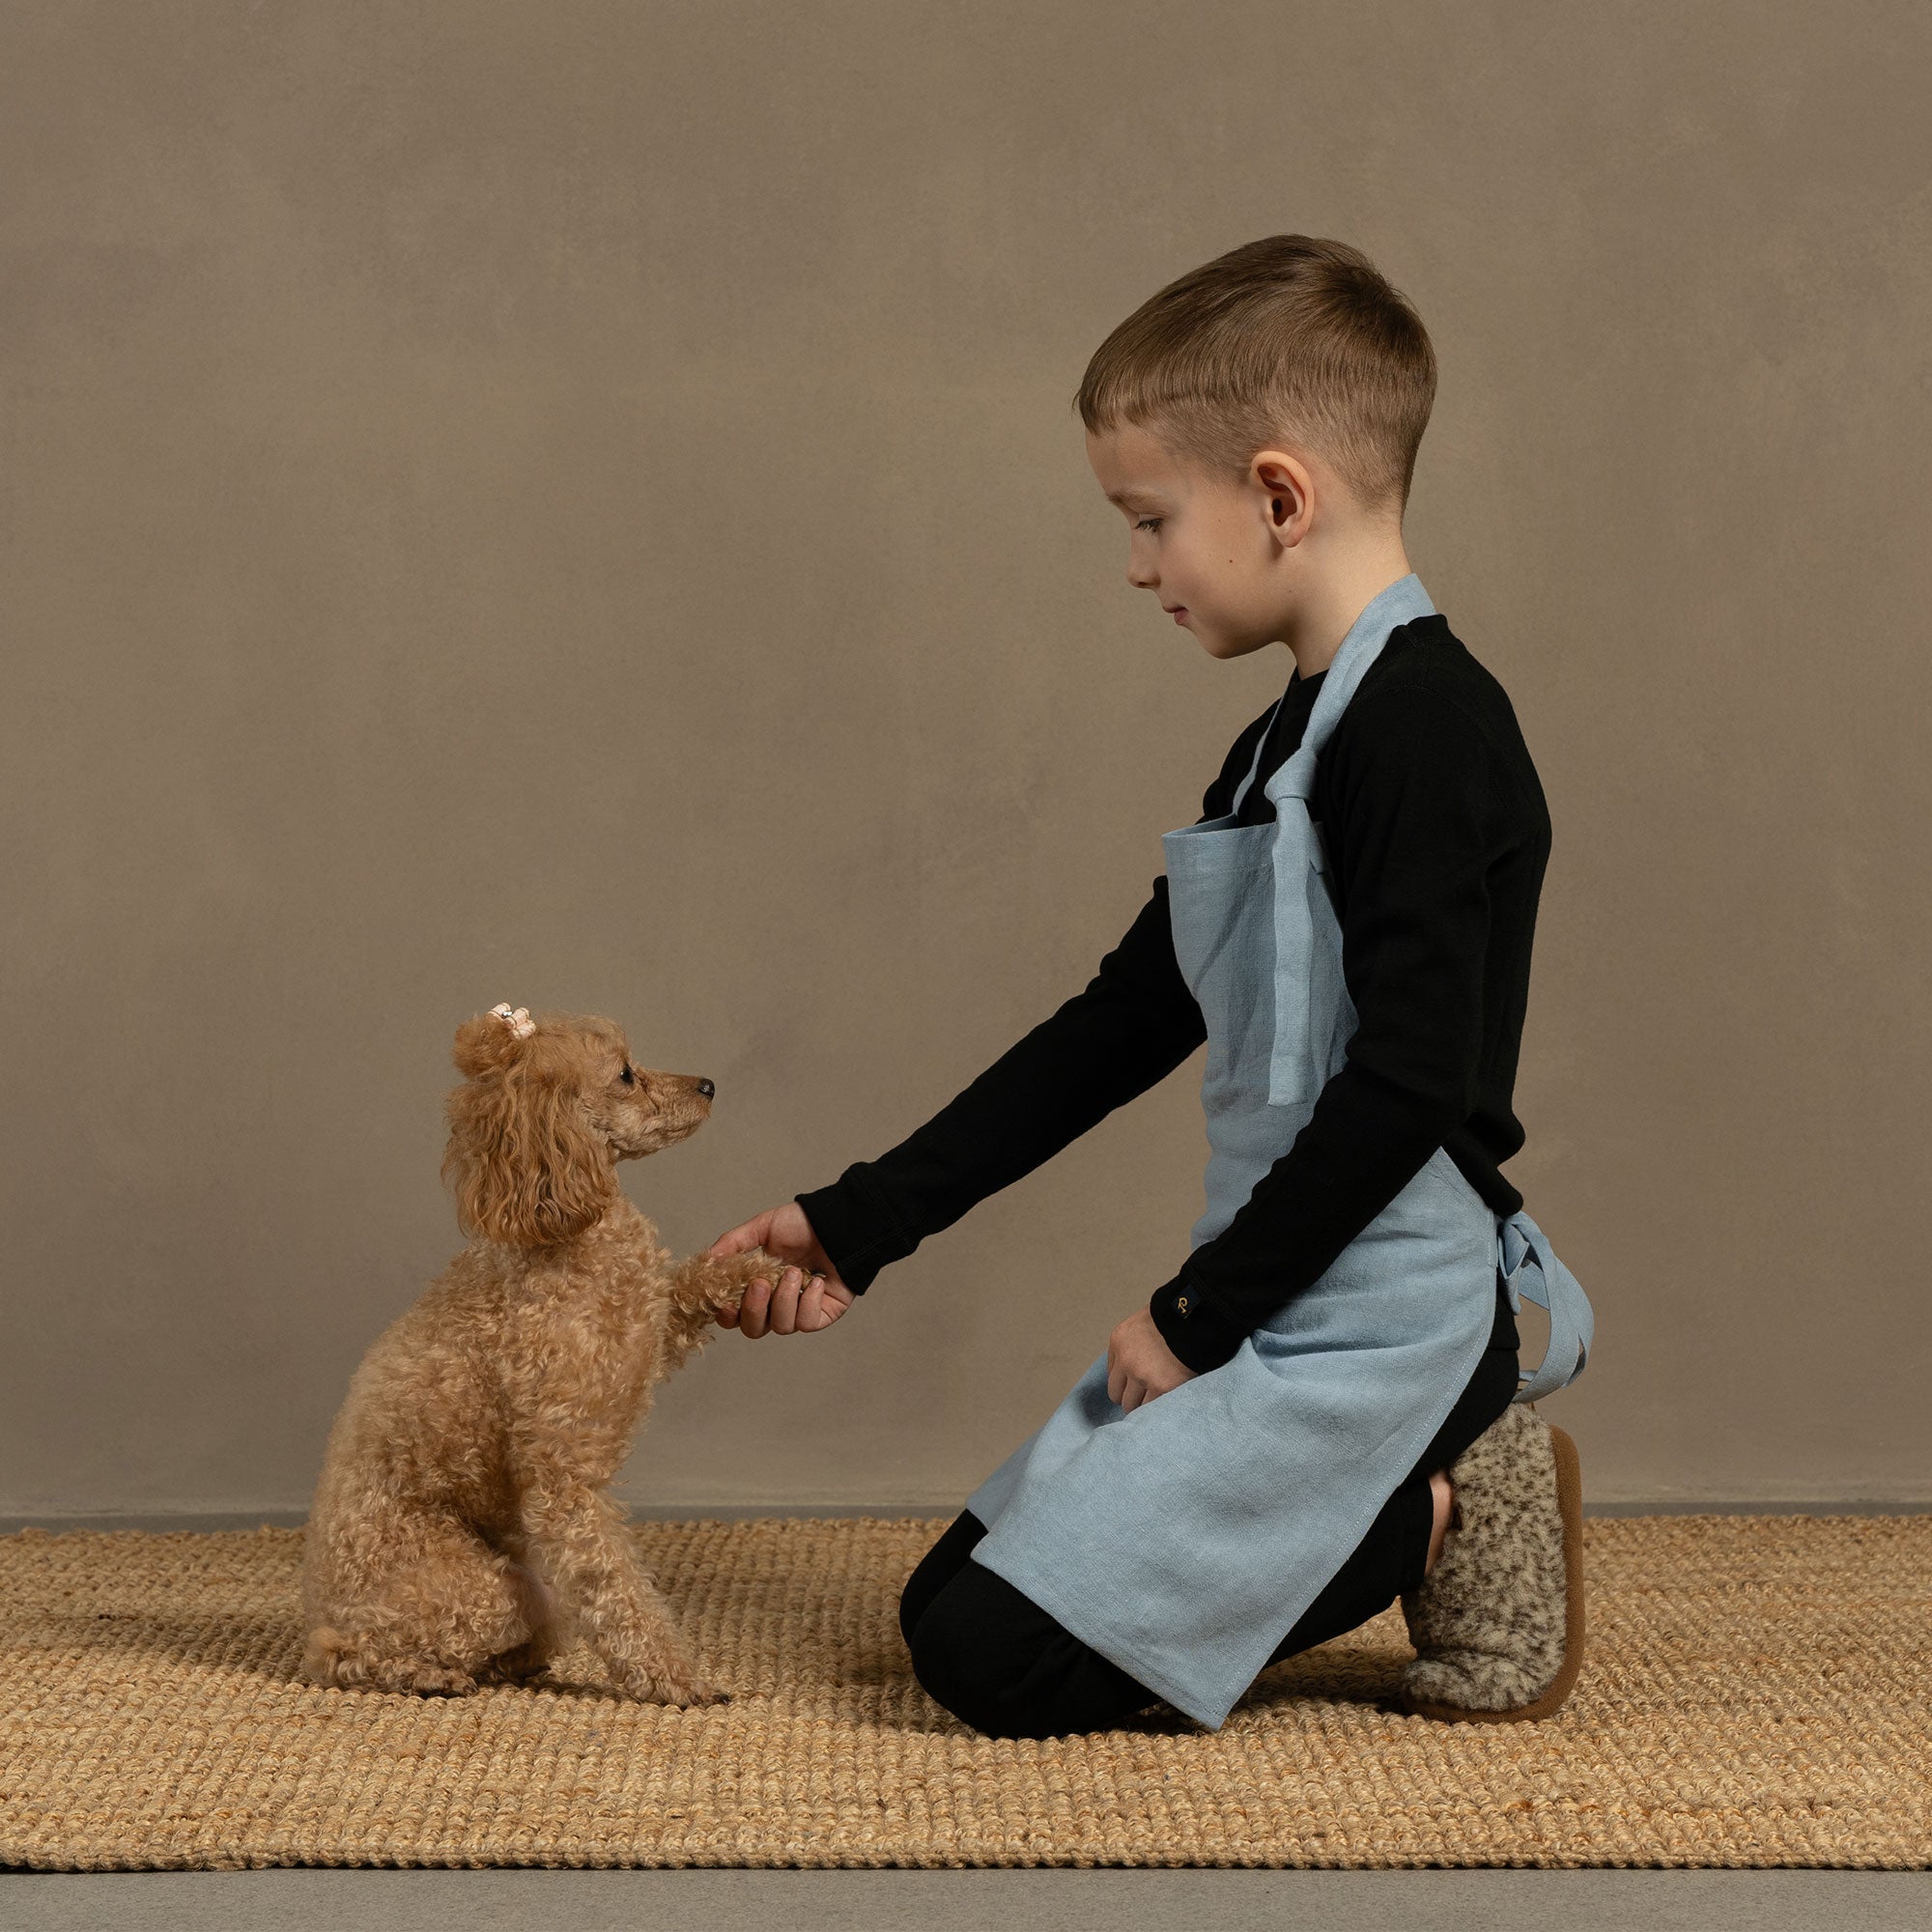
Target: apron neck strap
(1255,763)
(1402,603)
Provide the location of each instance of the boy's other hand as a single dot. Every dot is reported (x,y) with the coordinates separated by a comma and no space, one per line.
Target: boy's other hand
(1140,1365)
(806,1296)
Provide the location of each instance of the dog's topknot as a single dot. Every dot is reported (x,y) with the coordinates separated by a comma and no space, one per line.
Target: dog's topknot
(489,1042)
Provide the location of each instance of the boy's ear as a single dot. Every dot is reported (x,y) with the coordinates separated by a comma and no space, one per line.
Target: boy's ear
(525,1166)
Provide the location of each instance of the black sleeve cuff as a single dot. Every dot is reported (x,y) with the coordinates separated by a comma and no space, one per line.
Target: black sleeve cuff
(1198,1332)
(854,1227)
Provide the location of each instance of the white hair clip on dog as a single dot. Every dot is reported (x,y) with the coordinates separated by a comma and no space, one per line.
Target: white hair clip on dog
(517,1019)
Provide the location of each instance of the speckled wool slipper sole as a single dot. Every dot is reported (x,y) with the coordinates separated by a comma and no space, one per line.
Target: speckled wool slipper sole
(1498,1624)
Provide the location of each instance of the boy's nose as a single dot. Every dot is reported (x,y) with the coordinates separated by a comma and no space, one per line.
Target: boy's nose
(705,1087)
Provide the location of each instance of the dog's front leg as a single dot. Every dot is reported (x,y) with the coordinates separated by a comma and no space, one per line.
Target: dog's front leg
(701,1285)
(576,1542)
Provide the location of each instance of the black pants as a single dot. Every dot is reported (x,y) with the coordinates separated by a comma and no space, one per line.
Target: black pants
(999,1661)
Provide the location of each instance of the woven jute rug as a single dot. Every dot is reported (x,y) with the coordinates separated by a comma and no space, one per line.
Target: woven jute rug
(1756,1693)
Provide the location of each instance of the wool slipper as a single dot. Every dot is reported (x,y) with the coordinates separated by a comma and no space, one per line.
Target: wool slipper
(1498,1624)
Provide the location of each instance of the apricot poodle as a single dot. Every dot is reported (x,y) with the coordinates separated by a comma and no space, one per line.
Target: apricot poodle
(462,1532)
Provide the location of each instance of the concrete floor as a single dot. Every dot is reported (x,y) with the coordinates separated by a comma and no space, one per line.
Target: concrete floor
(968,1901)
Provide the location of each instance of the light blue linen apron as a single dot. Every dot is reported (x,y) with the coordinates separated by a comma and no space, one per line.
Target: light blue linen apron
(1183,1540)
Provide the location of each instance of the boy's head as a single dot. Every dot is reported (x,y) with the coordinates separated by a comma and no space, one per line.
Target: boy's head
(1257,419)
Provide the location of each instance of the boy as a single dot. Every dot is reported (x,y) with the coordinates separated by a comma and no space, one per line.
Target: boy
(1322,1410)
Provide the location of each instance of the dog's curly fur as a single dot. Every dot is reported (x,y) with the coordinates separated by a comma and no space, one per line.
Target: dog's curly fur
(462,1532)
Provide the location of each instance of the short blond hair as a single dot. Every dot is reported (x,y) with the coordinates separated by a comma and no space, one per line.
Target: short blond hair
(1291,339)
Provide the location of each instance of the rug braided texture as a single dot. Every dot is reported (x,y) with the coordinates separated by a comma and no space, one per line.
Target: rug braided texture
(1755,1693)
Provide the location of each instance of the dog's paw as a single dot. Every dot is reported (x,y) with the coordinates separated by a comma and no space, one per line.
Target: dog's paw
(768,1268)
(427,1679)
(752,1265)
(525,1664)
(696,1693)
(644,1687)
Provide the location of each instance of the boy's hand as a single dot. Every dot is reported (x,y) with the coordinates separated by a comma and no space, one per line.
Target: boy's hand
(1140,1365)
(805,1297)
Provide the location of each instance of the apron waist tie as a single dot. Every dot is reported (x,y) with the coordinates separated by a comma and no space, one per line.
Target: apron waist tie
(1530,1266)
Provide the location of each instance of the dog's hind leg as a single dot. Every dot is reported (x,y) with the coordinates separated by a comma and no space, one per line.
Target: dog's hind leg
(429,1626)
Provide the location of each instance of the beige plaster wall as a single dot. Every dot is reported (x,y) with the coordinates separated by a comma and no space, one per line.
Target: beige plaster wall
(579,505)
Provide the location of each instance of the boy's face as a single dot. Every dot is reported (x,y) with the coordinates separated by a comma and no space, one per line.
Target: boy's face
(1206,546)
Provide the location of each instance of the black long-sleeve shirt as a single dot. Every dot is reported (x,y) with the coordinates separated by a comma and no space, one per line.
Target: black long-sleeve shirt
(1437,834)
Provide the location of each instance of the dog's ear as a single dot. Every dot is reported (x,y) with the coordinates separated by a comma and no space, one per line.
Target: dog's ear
(523,1162)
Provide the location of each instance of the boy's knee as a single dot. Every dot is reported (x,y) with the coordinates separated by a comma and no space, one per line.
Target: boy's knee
(957,1668)
(998,1662)
(936,1569)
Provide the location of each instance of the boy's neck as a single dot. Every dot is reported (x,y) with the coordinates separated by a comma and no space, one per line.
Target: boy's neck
(1337,587)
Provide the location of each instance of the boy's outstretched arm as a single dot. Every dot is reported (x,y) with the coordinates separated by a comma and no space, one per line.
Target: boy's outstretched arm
(1134,1022)
(1130,1027)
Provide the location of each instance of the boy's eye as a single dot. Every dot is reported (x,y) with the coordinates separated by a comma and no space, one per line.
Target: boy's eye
(1149,524)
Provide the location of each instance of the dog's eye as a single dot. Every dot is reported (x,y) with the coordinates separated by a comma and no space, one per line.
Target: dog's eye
(627,1078)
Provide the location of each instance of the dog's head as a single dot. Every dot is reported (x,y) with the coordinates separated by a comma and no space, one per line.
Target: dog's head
(547,1109)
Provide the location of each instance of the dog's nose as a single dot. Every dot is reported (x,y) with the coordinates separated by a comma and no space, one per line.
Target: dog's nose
(705,1087)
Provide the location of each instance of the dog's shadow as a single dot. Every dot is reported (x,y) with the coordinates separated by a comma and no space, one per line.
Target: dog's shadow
(265,1648)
